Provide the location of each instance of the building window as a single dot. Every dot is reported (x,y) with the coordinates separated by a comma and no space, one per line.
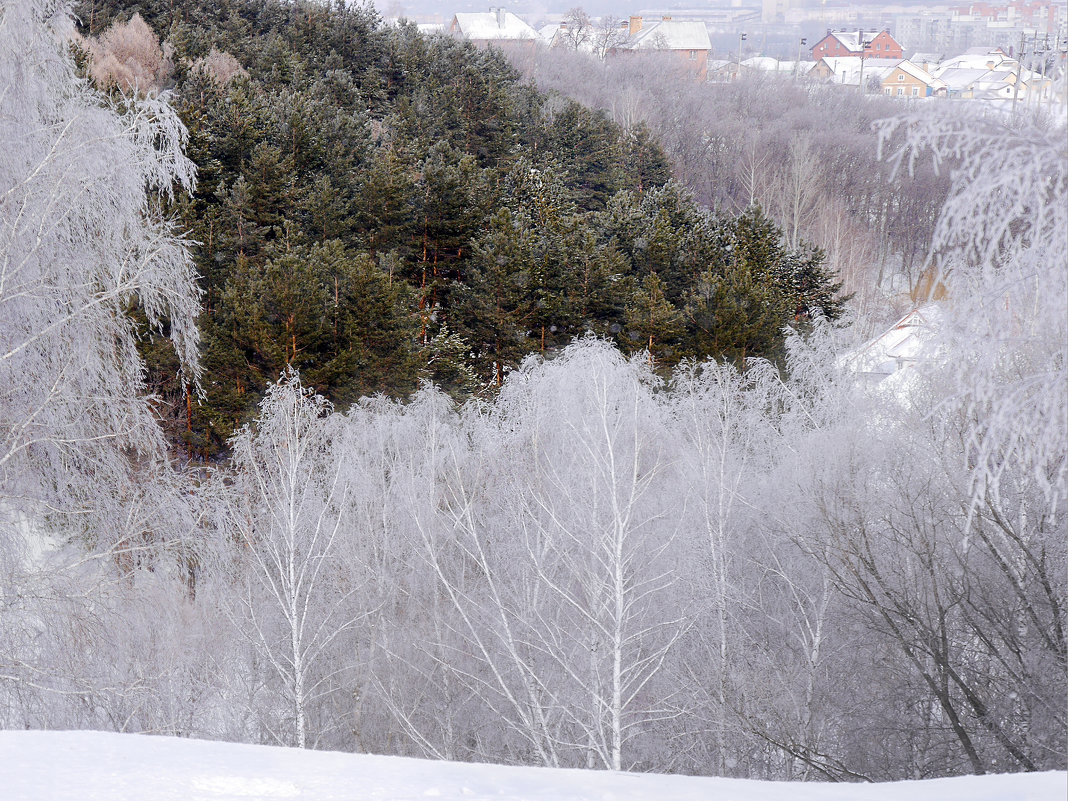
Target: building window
(901,91)
(915,91)
(900,77)
(693,55)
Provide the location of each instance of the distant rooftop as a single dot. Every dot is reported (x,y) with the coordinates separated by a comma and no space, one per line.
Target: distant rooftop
(850,39)
(668,34)
(493,24)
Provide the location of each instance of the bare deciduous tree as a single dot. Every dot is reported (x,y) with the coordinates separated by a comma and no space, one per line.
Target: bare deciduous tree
(129,56)
(288,500)
(561,575)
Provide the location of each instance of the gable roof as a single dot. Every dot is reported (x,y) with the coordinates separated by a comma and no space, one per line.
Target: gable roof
(985,51)
(495,24)
(920,74)
(926,58)
(585,40)
(769,64)
(850,39)
(973,61)
(1001,75)
(548,32)
(670,35)
(846,69)
(899,348)
(960,78)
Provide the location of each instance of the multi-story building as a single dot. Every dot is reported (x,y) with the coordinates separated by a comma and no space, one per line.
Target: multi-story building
(959,28)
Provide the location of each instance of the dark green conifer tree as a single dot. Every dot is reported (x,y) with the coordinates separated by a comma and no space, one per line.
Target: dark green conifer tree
(382,141)
(653,322)
(735,314)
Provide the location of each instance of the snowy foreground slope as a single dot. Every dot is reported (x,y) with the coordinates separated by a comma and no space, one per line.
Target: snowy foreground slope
(100,766)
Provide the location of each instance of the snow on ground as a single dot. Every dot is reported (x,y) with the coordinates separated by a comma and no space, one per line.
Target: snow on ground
(102,766)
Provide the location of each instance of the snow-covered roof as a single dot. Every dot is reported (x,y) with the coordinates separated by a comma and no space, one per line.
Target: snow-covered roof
(846,69)
(927,58)
(670,35)
(584,40)
(1026,75)
(973,61)
(850,39)
(999,76)
(769,64)
(897,348)
(984,50)
(921,74)
(881,62)
(494,24)
(959,78)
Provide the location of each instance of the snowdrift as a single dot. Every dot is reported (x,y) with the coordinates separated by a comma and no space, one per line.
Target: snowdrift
(102,766)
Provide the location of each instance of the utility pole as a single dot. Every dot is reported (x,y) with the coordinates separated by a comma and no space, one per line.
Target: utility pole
(741,38)
(797,64)
(860,41)
(1031,73)
(1062,54)
(1042,81)
(1019,66)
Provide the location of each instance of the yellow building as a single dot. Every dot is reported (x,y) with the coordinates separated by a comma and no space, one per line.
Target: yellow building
(908,80)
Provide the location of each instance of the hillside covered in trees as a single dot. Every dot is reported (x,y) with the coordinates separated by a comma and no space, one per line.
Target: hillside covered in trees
(375,207)
(804,556)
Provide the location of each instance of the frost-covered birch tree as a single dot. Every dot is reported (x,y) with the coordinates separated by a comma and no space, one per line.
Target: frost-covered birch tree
(726,420)
(575,614)
(82,241)
(288,499)
(413,451)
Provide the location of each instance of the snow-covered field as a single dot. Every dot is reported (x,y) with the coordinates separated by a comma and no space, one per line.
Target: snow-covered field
(102,766)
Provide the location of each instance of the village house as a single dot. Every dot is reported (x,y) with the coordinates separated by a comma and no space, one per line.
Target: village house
(961,81)
(853,70)
(1002,84)
(974,58)
(721,70)
(928,62)
(686,43)
(497,28)
(908,80)
(996,80)
(775,66)
(863,44)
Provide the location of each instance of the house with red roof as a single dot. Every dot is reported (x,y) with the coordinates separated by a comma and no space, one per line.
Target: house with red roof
(865,44)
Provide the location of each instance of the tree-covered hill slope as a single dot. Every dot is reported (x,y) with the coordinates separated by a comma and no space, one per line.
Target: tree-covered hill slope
(375,207)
